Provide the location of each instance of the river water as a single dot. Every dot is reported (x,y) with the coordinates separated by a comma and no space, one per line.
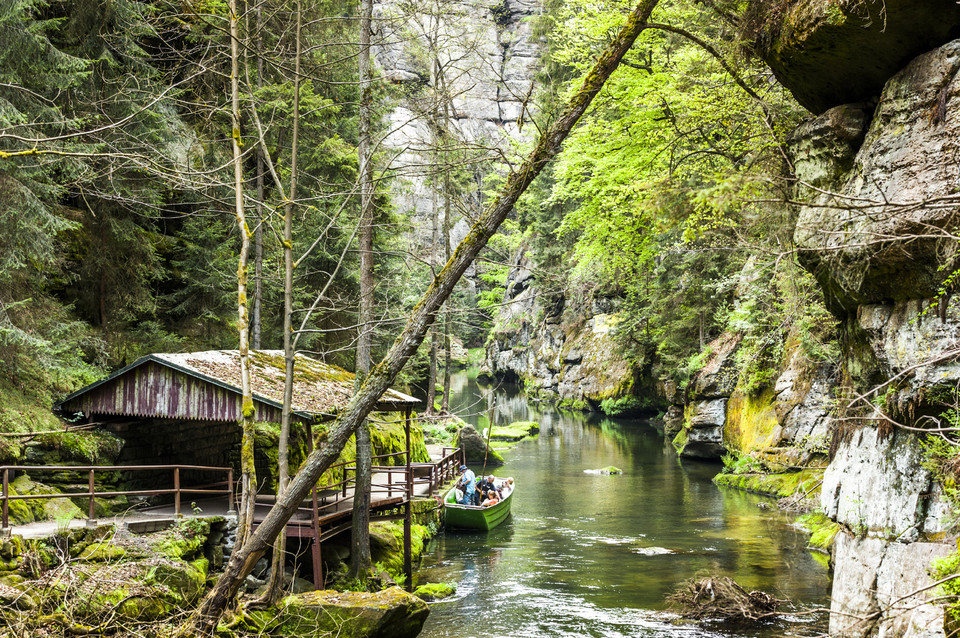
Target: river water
(595,555)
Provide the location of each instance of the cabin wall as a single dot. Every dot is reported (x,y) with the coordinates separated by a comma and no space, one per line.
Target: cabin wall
(153,390)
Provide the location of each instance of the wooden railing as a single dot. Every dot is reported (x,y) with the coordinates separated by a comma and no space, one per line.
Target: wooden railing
(398,483)
(224,487)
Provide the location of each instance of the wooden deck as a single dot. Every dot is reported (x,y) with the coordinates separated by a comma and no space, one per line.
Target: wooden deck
(326,514)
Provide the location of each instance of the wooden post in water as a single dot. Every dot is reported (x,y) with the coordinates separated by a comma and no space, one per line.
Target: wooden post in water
(408,514)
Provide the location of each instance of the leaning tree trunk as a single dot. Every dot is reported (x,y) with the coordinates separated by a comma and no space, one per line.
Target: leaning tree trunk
(421,317)
(248,473)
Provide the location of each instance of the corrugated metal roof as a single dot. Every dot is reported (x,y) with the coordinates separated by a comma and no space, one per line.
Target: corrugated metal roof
(319,388)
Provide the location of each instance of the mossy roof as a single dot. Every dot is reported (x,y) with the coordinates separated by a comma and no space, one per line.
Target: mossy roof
(319,388)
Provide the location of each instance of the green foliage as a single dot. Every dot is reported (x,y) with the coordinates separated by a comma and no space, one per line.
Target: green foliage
(626,405)
(822,529)
(740,464)
(948,567)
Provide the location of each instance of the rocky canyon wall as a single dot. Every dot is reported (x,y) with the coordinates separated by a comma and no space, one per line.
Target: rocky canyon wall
(464,73)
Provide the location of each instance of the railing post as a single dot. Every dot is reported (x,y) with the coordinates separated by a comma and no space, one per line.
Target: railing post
(230,510)
(176,493)
(91,508)
(408,514)
(5,529)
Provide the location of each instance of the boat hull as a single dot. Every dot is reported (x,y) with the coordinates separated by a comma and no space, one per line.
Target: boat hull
(474,517)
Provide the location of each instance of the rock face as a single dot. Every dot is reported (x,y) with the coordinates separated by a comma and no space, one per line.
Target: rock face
(872,240)
(563,354)
(488,54)
(786,425)
(876,235)
(391,613)
(830,53)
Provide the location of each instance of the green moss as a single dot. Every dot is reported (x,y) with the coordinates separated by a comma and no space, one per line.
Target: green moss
(183,540)
(822,530)
(391,612)
(386,545)
(751,422)
(102,552)
(580,405)
(40,509)
(625,405)
(435,591)
(779,485)
(515,431)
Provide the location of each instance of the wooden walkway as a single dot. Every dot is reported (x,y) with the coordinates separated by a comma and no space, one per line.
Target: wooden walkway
(326,514)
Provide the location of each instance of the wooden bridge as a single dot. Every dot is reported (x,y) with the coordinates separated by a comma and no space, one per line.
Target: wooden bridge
(325,514)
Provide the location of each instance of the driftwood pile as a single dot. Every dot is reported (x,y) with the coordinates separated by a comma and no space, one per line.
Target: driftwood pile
(720,598)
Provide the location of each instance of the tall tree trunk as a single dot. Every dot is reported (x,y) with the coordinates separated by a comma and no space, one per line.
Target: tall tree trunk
(434,336)
(360,561)
(421,317)
(257,322)
(447,195)
(275,585)
(248,473)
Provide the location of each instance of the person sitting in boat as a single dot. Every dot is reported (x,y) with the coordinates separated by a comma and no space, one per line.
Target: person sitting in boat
(468,483)
(486,485)
(492,499)
(506,487)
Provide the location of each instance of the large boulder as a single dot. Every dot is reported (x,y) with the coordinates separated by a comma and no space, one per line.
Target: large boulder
(391,613)
(831,53)
(475,448)
(871,239)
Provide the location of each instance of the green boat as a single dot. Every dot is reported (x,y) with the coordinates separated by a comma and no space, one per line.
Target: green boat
(474,516)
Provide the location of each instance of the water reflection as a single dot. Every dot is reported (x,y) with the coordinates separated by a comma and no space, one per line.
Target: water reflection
(594,555)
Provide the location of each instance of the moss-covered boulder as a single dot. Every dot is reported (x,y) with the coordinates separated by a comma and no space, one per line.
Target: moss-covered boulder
(391,613)
(386,545)
(435,591)
(516,431)
(830,53)
(475,448)
(47,509)
(138,590)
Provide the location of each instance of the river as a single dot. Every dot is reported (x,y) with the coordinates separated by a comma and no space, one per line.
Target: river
(594,555)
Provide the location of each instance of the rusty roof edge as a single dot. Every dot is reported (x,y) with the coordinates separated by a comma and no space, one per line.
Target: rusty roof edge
(188,371)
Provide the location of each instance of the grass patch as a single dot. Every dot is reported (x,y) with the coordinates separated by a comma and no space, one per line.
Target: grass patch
(515,431)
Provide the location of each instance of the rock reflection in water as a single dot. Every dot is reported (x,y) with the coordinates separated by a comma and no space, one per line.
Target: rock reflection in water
(594,555)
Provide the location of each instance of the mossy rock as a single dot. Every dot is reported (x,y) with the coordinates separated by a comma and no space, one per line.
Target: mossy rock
(778,485)
(184,540)
(102,552)
(139,590)
(64,447)
(516,431)
(386,545)
(822,530)
(48,509)
(435,591)
(391,613)
(475,448)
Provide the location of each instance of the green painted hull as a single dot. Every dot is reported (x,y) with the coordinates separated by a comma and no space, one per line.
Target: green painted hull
(473,517)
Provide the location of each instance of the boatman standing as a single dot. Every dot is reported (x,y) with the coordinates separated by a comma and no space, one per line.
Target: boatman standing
(467,482)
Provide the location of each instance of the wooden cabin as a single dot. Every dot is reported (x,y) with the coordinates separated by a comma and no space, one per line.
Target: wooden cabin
(185,408)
